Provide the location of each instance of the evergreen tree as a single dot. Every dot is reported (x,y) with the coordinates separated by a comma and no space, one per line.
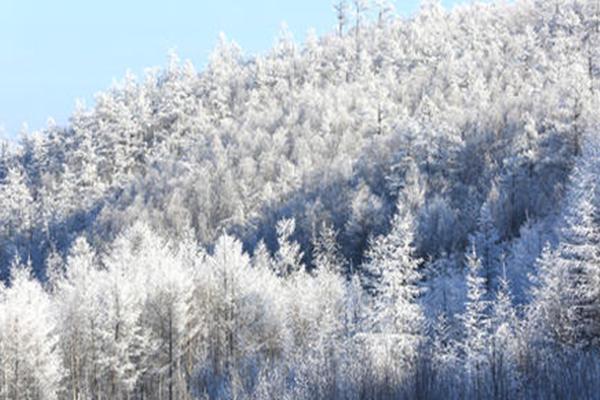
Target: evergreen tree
(486,242)
(327,255)
(397,315)
(476,326)
(288,259)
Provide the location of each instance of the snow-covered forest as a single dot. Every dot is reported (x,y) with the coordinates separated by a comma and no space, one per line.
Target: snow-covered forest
(404,208)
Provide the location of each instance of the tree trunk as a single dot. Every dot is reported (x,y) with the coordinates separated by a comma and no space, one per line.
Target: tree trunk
(170,355)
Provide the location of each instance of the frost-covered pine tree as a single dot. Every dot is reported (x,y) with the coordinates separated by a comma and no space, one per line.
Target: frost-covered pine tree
(30,356)
(443,355)
(123,340)
(17,213)
(546,312)
(261,259)
(327,254)
(475,320)
(486,241)
(578,255)
(504,344)
(166,312)
(226,265)
(76,295)
(288,259)
(565,298)
(394,270)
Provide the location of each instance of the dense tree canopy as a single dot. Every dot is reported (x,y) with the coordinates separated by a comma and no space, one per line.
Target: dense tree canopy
(402,208)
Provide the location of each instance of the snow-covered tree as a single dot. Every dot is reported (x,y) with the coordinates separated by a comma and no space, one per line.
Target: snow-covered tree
(476,326)
(76,298)
(394,271)
(288,259)
(30,360)
(486,241)
(565,299)
(504,342)
(327,254)
(341,11)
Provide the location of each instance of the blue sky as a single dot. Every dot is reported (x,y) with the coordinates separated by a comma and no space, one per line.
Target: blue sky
(54,52)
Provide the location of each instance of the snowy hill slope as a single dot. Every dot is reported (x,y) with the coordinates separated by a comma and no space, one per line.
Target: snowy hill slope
(458,148)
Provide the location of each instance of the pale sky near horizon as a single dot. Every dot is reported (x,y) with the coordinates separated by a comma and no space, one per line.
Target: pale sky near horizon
(54,52)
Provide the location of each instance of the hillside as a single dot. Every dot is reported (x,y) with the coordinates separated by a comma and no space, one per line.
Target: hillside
(401,208)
